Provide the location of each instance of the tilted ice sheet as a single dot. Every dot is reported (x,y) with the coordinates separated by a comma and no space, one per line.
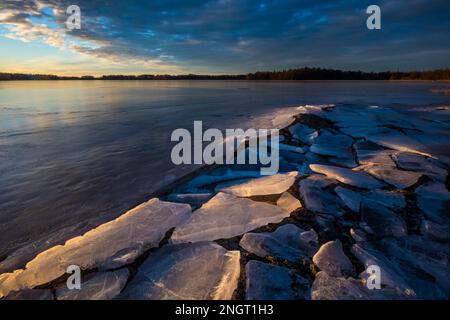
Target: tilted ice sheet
(347,176)
(275,184)
(226,216)
(199,271)
(135,231)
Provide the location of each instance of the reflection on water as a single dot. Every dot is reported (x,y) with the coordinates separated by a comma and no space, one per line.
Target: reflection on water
(74,150)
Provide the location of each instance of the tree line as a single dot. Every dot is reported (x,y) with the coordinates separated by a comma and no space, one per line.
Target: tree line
(290,74)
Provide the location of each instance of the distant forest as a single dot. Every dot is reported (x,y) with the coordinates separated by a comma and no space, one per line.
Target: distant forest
(291,74)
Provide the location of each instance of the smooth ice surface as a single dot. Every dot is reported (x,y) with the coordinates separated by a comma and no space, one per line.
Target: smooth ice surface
(226,216)
(347,176)
(433,199)
(288,242)
(103,286)
(316,198)
(288,202)
(275,184)
(137,230)
(332,259)
(199,271)
(270,282)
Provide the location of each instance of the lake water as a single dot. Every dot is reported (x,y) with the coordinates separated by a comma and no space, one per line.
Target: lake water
(74,151)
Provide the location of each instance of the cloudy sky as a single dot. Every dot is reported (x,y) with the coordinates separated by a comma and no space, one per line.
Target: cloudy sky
(221,36)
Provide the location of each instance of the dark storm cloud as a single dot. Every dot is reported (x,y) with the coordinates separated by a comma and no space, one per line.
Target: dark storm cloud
(238,36)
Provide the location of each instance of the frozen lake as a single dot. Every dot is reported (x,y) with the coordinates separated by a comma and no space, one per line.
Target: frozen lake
(73,151)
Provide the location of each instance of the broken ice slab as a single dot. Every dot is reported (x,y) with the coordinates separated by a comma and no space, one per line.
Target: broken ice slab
(333,144)
(423,259)
(270,282)
(204,180)
(129,235)
(288,202)
(433,199)
(316,198)
(352,199)
(327,287)
(389,199)
(332,259)
(411,276)
(371,153)
(347,176)
(381,221)
(418,163)
(392,275)
(288,242)
(275,184)
(226,216)
(398,178)
(199,271)
(102,286)
(303,133)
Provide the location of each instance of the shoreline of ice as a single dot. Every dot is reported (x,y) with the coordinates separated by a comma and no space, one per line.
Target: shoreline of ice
(375,191)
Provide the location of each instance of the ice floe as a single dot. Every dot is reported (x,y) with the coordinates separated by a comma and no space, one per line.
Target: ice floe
(381,221)
(129,235)
(347,176)
(226,216)
(418,163)
(398,178)
(275,184)
(433,199)
(303,133)
(352,199)
(199,271)
(288,242)
(332,144)
(288,202)
(103,286)
(327,287)
(316,198)
(332,259)
(270,282)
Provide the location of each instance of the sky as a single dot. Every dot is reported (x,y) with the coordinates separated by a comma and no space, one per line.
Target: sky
(221,36)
